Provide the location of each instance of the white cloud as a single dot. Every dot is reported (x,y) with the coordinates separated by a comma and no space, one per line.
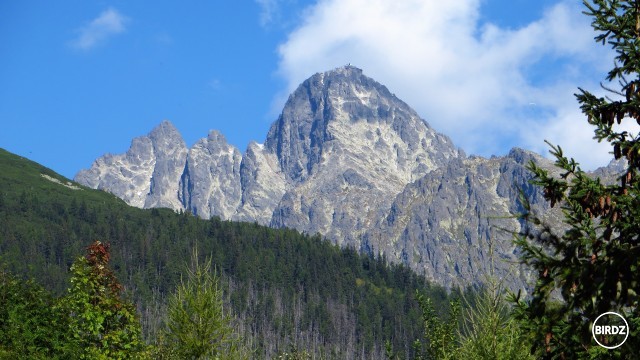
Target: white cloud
(269,9)
(473,81)
(568,129)
(110,22)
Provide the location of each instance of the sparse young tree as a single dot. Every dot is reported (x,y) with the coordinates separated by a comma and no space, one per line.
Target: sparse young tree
(198,326)
(592,268)
(441,336)
(489,332)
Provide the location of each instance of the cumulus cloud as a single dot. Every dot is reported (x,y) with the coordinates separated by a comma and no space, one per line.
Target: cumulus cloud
(109,23)
(487,87)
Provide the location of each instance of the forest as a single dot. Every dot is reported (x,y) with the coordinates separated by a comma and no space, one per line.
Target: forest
(285,290)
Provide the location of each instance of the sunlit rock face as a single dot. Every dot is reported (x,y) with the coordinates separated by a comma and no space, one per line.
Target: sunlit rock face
(347,146)
(210,184)
(453,224)
(349,160)
(147,175)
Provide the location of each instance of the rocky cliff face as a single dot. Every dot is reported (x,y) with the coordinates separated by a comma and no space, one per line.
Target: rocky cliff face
(347,146)
(147,175)
(348,160)
(263,183)
(210,184)
(451,223)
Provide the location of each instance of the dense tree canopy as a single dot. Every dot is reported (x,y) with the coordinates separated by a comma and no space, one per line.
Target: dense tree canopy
(91,322)
(284,289)
(102,324)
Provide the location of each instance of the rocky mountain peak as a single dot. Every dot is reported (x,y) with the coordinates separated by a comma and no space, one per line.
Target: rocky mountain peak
(347,70)
(210,183)
(349,160)
(345,143)
(344,110)
(147,174)
(165,129)
(216,137)
(523,156)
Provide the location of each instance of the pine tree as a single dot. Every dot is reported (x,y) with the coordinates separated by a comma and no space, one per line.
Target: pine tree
(198,326)
(489,332)
(592,267)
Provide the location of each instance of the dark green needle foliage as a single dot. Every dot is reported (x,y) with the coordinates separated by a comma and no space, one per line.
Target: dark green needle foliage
(198,325)
(285,290)
(592,267)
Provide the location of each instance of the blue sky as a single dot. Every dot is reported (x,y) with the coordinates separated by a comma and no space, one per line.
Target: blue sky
(82,78)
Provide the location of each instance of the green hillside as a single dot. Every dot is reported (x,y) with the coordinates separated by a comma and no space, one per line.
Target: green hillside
(285,289)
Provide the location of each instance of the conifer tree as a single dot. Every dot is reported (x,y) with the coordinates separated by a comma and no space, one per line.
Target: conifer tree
(592,267)
(198,326)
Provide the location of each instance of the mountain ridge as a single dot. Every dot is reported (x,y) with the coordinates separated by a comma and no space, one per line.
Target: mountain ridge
(319,128)
(352,162)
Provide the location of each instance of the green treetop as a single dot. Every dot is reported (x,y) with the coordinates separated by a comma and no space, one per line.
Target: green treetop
(103,325)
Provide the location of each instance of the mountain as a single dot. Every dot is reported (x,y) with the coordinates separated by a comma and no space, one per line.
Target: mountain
(342,149)
(148,175)
(210,183)
(452,223)
(349,160)
(347,146)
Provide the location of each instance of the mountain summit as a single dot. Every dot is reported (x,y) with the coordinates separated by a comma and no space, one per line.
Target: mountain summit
(346,146)
(346,113)
(149,172)
(343,143)
(349,160)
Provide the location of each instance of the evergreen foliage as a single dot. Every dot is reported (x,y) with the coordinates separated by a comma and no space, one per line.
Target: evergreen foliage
(197,325)
(593,266)
(285,289)
(490,332)
(480,327)
(440,335)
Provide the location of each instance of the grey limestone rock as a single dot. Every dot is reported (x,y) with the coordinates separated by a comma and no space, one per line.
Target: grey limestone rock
(345,113)
(347,146)
(262,182)
(348,160)
(170,155)
(454,224)
(210,184)
(147,175)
